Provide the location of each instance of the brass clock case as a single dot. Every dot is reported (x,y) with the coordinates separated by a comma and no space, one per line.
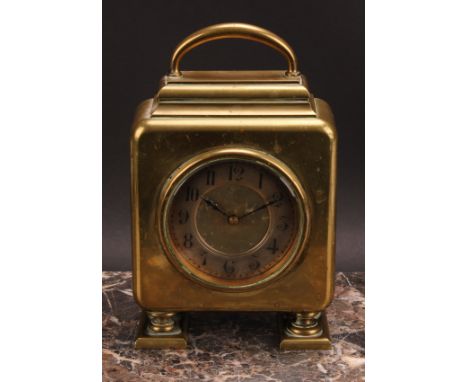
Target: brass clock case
(303,209)
(267,116)
(160,146)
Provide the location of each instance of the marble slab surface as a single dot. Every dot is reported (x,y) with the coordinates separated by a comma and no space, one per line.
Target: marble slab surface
(231,347)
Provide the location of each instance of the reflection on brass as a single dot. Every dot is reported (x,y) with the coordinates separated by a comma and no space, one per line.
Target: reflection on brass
(233,197)
(234,30)
(305,331)
(161,322)
(148,338)
(305,325)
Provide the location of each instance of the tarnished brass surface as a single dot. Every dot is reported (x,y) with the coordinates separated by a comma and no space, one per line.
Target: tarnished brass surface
(234,30)
(269,117)
(161,145)
(317,337)
(161,322)
(229,93)
(176,338)
(305,325)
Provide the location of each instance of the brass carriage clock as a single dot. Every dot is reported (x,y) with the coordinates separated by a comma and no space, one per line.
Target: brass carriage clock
(233,187)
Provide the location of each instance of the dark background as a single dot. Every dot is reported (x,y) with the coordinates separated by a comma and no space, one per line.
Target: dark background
(138,39)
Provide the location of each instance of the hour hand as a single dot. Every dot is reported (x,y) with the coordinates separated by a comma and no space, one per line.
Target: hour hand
(215,205)
(260,208)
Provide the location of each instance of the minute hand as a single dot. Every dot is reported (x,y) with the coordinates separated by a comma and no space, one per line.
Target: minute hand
(215,205)
(259,208)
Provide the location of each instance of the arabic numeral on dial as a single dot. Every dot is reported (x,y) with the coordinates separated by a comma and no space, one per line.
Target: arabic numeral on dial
(235,172)
(191,194)
(260,180)
(254,264)
(203,256)
(278,196)
(188,240)
(282,225)
(229,267)
(210,178)
(183,216)
(273,247)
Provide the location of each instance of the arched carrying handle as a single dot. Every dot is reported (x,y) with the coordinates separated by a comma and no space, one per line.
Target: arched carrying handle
(234,30)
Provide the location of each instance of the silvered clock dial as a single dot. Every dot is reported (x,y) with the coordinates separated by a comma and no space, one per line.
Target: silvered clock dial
(233,222)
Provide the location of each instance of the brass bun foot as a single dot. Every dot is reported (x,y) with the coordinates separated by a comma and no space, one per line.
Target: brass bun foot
(161,330)
(306,330)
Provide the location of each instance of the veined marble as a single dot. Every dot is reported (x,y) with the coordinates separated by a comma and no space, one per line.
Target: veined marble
(231,347)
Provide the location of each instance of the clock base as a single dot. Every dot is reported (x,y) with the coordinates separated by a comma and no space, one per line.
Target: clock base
(147,338)
(305,331)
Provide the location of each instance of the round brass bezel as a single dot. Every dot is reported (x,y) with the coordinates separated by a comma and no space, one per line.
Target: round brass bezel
(187,169)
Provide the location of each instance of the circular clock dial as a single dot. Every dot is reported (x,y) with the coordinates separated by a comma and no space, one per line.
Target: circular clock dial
(233,219)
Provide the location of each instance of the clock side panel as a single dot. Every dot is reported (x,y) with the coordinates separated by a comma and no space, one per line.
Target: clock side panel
(306,145)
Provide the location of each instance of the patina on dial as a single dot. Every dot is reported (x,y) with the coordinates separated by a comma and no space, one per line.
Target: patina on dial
(233,219)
